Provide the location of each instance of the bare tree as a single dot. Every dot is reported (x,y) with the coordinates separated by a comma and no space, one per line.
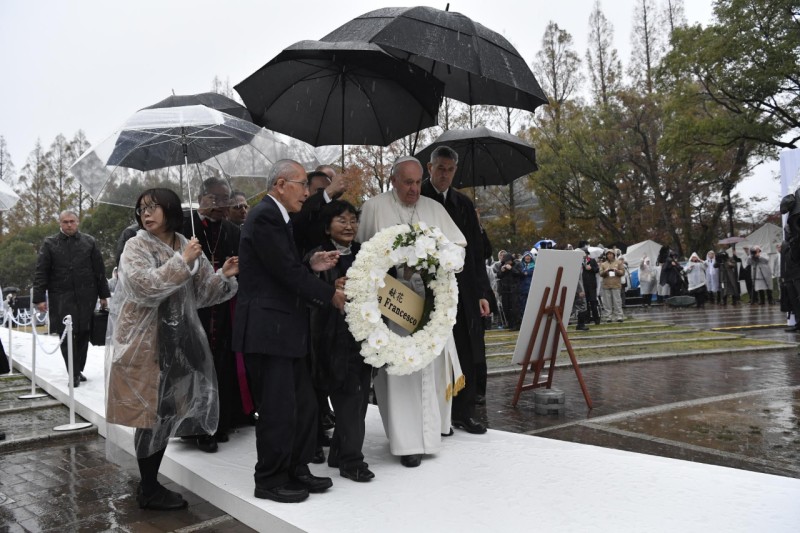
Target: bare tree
(605,68)
(647,41)
(6,165)
(674,15)
(559,67)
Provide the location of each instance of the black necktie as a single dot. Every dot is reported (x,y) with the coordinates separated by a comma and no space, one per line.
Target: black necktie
(291,231)
(442,198)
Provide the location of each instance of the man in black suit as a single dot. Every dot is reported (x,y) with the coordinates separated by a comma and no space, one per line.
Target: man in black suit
(272,330)
(219,238)
(324,185)
(473,283)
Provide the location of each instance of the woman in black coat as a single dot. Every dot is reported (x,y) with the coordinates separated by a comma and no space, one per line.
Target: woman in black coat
(338,366)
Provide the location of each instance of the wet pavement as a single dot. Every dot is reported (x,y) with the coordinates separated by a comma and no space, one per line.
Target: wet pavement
(740,410)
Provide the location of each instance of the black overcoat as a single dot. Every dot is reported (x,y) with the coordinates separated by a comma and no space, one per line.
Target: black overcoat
(473,282)
(72,270)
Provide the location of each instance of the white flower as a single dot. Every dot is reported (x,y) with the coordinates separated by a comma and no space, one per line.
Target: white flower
(452,258)
(423,226)
(424,246)
(370,312)
(378,339)
(377,274)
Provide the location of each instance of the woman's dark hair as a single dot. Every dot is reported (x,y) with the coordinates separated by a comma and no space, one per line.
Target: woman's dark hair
(334,209)
(170,205)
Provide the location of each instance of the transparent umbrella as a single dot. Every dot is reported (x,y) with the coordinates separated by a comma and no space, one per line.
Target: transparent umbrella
(179,147)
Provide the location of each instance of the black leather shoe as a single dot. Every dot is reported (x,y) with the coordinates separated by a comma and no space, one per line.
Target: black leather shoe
(581,328)
(319,456)
(449,434)
(76,382)
(162,499)
(312,483)
(81,376)
(470,425)
(207,443)
(282,494)
(360,474)
(328,420)
(411,461)
(480,399)
(221,436)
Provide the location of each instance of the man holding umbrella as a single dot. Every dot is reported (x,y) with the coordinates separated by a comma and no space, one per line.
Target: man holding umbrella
(473,283)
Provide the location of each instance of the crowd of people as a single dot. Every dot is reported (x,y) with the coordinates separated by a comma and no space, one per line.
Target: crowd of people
(231,316)
(605,281)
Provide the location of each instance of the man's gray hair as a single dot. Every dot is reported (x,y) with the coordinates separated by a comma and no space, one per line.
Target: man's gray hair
(212,182)
(281,169)
(445,152)
(404,159)
(67,212)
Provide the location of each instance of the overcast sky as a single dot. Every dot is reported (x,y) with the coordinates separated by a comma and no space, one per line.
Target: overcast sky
(67,65)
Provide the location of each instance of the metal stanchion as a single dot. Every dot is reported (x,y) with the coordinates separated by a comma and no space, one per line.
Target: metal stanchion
(72,424)
(10,320)
(33,393)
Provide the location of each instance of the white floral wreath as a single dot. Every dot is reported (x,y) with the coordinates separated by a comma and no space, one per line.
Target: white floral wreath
(430,253)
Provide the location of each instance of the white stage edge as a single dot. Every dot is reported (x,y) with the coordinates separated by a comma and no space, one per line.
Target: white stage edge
(494,482)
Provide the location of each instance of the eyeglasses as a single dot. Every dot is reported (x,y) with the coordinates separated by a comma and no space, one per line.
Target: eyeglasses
(149,208)
(346,222)
(304,183)
(218,200)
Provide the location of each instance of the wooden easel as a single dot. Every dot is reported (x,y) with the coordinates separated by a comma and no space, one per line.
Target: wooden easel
(552,313)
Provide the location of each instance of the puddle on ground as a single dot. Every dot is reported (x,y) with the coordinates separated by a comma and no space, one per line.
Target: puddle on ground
(764,426)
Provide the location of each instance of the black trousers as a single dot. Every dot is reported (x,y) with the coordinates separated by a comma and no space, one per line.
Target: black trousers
(464,402)
(350,405)
(80,347)
(286,430)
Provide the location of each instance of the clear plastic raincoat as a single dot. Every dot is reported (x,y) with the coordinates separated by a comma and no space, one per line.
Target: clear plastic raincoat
(160,372)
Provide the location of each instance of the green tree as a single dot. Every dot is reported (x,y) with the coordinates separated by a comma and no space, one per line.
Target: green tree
(747,64)
(105,223)
(19,251)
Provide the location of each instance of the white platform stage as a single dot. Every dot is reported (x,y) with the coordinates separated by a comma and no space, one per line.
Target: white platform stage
(494,482)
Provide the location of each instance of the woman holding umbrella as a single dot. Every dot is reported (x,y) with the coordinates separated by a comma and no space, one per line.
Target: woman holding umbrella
(161,377)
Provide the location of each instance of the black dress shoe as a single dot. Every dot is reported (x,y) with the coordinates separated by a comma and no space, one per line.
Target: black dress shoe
(581,327)
(360,474)
(81,376)
(312,483)
(207,443)
(328,420)
(470,425)
(162,499)
(221,436)
(480,399)
(319,456)
(282,494)
(411,461)
(76,382)
(449,434)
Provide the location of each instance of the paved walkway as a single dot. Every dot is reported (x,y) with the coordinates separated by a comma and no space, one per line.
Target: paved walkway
(735,410)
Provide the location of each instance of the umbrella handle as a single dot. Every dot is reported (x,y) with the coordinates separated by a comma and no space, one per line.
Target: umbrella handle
(194,268)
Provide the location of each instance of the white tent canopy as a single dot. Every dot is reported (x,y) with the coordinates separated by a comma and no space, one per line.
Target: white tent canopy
(767,237)
(636,253)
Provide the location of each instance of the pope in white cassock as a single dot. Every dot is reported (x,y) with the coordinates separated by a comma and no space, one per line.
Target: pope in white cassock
(414,408)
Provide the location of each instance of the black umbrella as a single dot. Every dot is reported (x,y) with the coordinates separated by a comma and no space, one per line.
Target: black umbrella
(485,157)
(476,64)
(341,93)
(212,100)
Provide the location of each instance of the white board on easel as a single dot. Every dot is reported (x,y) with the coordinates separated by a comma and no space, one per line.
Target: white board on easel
(544,275)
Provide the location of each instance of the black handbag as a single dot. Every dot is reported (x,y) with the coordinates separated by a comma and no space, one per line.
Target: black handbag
(98,329)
